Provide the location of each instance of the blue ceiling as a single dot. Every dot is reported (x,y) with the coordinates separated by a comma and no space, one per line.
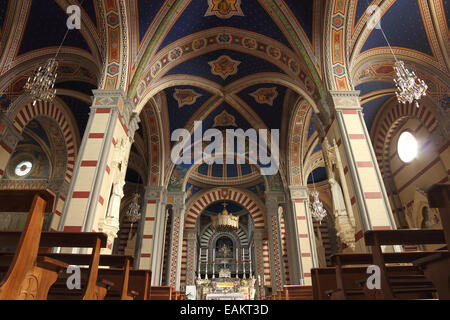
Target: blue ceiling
(255,19)
(199,66)
(271,115)
(361,7)
(231,171)
(147,12)
(318,175)
(304,12)
(80,111)
(46,27)
(88,6)
(3,9)
(178,116)
(404,27)
(217,207)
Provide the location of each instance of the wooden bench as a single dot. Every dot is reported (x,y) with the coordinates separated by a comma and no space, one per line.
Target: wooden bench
(140,282)
(436,267)
(407,281)
(378,238)
(161,293)
(27,276)
(297,292)
(116,277)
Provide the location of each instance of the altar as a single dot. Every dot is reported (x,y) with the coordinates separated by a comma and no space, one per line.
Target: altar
(226,288)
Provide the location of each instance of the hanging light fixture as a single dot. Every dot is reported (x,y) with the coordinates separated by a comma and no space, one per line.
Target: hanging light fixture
(318,212)
(133,214)
(409,87)
(41,85)
(224,221)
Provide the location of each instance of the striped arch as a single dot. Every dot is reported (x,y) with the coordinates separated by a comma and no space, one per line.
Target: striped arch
(391,118)
(296,142)
(209,233)
(27,112)
(202,200)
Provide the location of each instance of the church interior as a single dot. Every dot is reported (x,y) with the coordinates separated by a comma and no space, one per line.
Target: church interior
(354,95)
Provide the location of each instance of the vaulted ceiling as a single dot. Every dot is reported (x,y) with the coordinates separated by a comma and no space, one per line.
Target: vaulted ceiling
(243,58)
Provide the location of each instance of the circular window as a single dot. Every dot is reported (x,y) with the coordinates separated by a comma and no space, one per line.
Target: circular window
(23,168)
(407,147)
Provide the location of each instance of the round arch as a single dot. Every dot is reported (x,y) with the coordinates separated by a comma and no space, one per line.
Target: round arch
(202,200)
(24,111)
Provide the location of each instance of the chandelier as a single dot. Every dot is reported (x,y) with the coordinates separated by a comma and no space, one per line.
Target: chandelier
(133,214)
(40,87)
(225,222)
(318,212)
(409,87)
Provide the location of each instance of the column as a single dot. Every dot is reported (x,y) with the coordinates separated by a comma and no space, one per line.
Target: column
(370,196)
(101,166)
(191,238)
(150,232)
(9,137)
(177,200)
(273,200)
(304,247)
(258,240)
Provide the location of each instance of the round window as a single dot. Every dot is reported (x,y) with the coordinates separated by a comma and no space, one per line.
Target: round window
(23,168)
(407,147)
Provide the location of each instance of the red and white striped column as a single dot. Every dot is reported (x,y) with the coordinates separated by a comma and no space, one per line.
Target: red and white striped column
(304,245)
(370,196)
(107,138)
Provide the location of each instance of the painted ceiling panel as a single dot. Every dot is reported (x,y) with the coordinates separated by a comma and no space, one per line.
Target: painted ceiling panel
(89,7)
(271,114)
(303,11)
(368,87)
(248,65)
(361,7)
(318,175)
(147,11)
(3,11)
(255,19)
(80,111)
(404,27)
(46,27)
(178,116)
(371,108)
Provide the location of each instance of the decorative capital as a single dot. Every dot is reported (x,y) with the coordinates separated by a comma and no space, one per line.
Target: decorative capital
(156,193)
(344,100)
(298,193)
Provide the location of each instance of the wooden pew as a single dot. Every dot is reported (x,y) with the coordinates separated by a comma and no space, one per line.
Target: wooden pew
(94,290)
(436,267)
(378,238)
(297,292)
(28,277)
(140,282)
(161,293)
(116,276)
(407,281)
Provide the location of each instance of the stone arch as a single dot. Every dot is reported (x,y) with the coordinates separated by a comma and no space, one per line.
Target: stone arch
(391,117)
(202,200)
(25,112)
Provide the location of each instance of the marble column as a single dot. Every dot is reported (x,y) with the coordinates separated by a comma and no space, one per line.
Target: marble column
(304,247)
(177,200)
(273,200)
(350,132)
(258,241)
(102,162)
(192,257)
(149,253)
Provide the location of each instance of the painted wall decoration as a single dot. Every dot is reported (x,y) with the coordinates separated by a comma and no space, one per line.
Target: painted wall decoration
(224,66)
(185,97)
(265,95)
(224,9)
